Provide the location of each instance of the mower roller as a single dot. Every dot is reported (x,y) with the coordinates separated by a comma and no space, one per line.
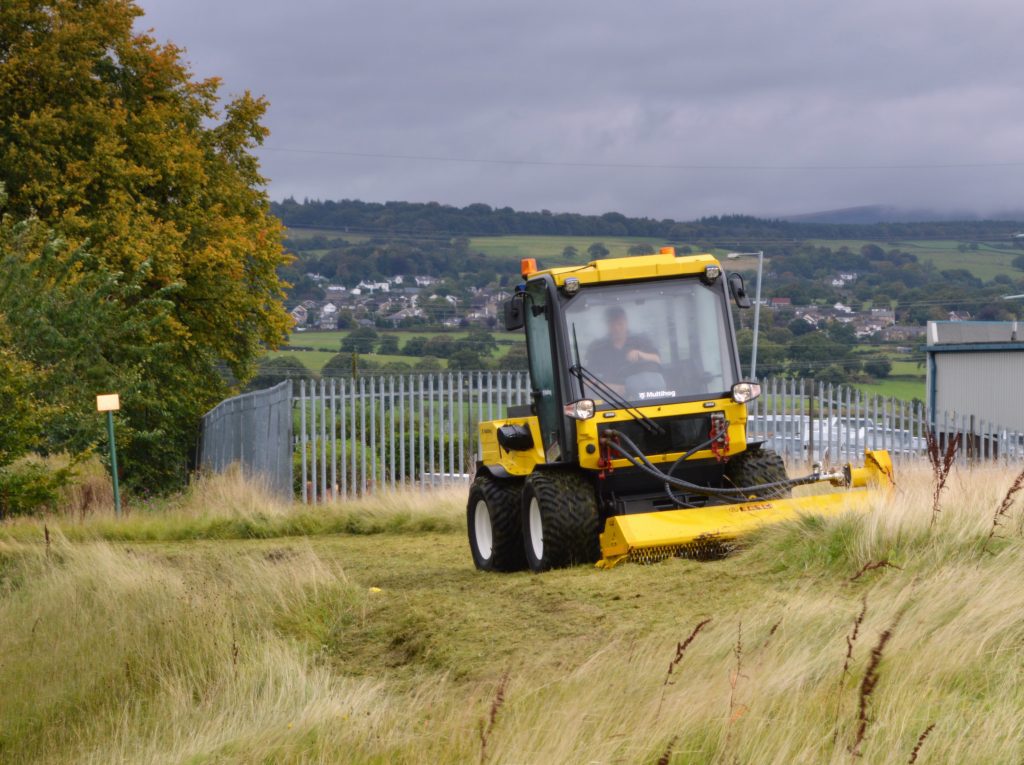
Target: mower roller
(634,446)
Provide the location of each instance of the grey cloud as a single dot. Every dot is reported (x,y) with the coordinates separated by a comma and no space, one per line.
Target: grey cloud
(733,82)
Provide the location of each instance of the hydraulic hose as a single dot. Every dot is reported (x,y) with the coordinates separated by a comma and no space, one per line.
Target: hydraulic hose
(638,459)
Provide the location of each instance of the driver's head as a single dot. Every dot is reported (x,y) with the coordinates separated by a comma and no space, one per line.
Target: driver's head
(618,327)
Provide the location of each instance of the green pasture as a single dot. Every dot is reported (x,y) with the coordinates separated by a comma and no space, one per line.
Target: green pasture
(987,262)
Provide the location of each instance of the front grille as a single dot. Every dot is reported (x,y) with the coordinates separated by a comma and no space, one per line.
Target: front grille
(682,433)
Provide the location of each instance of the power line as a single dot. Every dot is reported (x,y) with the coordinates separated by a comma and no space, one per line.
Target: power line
(639,165)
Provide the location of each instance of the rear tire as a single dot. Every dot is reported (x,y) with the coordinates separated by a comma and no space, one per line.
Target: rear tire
(560,521)
(757,466)
(493,520)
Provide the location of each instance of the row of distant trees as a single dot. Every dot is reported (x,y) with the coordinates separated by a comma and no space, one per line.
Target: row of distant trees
(436,220)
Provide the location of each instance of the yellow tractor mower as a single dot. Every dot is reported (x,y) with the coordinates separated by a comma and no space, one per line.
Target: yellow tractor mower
(635,444)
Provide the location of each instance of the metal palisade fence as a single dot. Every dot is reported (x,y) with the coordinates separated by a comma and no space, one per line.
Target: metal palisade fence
(815,422)
(253,430)
(360,435)
(347,437)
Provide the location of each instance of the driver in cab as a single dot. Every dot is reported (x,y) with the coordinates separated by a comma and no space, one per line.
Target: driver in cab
(619,354)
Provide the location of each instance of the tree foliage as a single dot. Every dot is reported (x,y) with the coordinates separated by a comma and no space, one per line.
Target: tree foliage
(361,340)
(108,141)
(878,367)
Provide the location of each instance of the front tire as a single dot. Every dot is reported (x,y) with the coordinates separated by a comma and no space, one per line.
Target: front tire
(492,518)
(754,467)
(561,523)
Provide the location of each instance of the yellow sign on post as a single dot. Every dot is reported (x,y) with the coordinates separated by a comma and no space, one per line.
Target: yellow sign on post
(110,403)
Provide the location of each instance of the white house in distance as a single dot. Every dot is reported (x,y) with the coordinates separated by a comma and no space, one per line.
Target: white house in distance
(370,287)
(974,370)
(329,316)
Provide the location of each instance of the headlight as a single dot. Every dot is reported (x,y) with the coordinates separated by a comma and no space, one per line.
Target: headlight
(580,410)
(571,285)
(711,273)
(742,392)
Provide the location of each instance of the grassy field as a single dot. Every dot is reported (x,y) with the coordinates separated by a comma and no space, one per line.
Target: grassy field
(331,341)
(315,361)
(546,249)
(986,262)
(904,388)
(328,233)
(327,344)
(372,639)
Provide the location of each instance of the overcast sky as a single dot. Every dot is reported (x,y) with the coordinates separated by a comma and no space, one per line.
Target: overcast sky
(604,89)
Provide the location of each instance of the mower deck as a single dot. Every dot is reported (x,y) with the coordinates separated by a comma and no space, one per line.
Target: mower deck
(699,532)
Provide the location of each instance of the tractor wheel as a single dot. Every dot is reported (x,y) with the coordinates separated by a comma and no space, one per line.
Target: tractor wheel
(561,523)
(757,466)
(493,518)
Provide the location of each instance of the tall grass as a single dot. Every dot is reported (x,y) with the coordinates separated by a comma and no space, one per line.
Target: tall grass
(237,653)
(232,506)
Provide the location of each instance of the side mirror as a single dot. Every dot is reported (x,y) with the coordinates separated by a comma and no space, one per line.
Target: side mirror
(738,290)
(514,318)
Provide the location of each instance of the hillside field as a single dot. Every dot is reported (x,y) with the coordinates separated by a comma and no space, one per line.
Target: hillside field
(986,262)
(546,249)
(325,345)
(223,627)
(901,387)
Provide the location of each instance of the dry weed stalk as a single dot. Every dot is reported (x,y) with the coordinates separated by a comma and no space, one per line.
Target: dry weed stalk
(735,712)
(680,651)
(872,566)
(666,756)
(920,743)
(851,639)
(487,726)
(771,633)
(867,687)
(1003,510)
(942,462)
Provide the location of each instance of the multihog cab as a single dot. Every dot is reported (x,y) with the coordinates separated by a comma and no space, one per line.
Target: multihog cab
(634,444)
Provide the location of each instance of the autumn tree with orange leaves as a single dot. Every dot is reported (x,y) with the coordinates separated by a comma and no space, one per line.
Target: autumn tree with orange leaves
(109,144)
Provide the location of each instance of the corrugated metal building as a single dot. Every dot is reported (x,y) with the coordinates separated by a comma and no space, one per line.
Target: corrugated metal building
(976,368)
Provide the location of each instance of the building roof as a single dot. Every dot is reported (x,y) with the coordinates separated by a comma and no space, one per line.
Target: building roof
(960,333)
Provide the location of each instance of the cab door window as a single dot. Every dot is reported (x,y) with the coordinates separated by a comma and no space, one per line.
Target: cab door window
(543,380)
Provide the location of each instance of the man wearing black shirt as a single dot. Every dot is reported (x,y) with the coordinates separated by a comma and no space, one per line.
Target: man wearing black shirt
(620,355)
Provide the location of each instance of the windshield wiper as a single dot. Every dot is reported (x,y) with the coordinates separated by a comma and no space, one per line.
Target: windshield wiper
(609,393)
(582,373)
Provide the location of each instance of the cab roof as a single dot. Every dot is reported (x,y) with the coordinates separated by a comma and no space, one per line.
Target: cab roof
(639,267)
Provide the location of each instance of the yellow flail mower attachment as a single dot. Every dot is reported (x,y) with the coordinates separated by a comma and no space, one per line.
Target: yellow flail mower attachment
(700,532)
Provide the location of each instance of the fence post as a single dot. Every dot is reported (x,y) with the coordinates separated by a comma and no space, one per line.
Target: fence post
(323,441)
(462,427)
(401,431)
(391,430)
(343,431)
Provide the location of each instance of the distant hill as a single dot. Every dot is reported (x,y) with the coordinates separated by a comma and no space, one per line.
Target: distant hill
(874,214)
(434,220)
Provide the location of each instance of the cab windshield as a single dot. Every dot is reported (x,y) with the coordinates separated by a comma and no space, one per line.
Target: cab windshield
(652,343)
